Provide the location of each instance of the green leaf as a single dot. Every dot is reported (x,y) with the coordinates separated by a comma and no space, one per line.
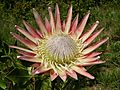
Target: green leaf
(2,84)
(19,76)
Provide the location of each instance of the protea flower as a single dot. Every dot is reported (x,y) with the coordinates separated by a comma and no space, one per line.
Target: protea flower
(59,48)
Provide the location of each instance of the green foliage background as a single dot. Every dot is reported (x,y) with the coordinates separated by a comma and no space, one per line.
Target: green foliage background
(14,74)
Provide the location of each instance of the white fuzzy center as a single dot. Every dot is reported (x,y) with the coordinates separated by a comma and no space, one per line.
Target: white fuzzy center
(61,47)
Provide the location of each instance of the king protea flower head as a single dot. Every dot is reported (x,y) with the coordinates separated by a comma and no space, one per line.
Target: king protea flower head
(59,47)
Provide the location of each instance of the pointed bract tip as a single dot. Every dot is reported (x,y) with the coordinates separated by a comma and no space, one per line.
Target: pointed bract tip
(49,8)
(76,78)
(11,32)
(24,22)
(92,77)
(35,13)
(107,38)
(71,6)
(97,22)
(10,46)
(34,9)
(46,18)
(77,16)
(103,61)
(102,29)
(15,26)
(98,57)
(88,12)
(56,5)
(63,78)
(18,56)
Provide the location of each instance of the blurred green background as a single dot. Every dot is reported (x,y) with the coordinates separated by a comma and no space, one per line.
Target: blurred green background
(14,73)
